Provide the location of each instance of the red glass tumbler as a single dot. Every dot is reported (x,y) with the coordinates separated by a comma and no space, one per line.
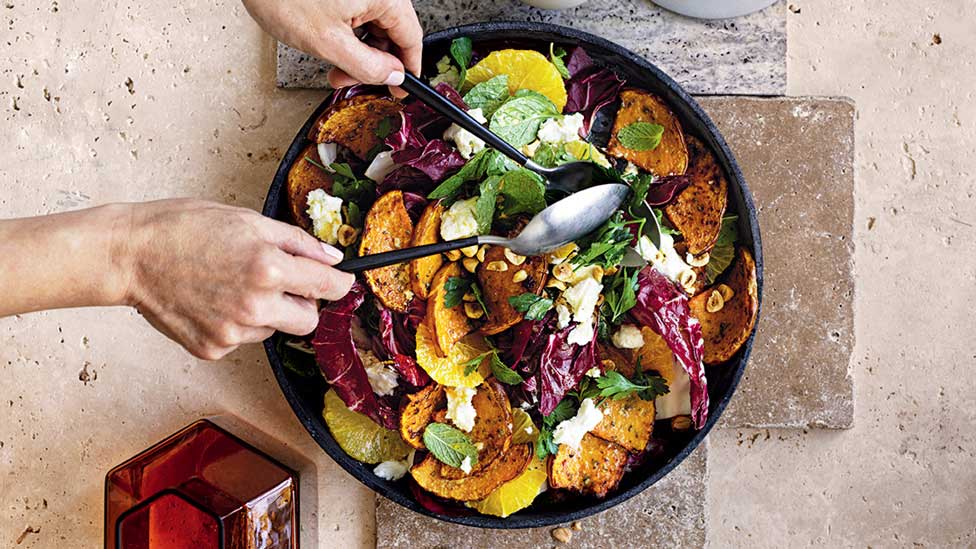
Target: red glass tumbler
(200,488)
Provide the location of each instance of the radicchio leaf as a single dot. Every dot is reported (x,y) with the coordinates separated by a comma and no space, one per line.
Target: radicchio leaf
(665,188)
(347,92)
(435,504)
(436,159)
(562,366)
(590,88)
(399,346)
(420,123)
(662,307)
(415,205)
(406,178)
(340,363)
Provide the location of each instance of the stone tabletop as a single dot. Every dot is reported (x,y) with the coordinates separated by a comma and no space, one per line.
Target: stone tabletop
(743,56)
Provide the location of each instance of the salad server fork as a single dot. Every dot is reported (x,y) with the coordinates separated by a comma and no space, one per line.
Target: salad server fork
(564,221)
(569,178)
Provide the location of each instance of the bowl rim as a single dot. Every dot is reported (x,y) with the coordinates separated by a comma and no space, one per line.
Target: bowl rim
(362,472)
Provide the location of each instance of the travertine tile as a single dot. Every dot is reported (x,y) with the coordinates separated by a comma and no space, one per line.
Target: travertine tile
(741,56)
(669,514)
(797,156)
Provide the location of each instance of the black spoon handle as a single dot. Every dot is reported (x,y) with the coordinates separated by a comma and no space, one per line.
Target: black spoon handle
(419,89)
(375,261)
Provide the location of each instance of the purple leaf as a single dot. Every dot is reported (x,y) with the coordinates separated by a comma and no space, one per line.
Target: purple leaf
(436,159)
(662,307)
(397,339)
(342,368)
(562,366)
(406,178)
(664,189)
(420,123)
(590,88)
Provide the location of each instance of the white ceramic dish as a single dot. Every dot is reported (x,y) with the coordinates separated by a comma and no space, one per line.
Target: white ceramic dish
(711,9)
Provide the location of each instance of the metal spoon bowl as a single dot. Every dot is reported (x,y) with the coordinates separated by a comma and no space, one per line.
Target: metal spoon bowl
(564,221)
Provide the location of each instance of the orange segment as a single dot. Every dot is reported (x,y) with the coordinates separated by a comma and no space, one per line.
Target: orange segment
(526,69)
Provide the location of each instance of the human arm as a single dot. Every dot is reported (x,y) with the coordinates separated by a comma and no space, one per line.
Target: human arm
(209,276)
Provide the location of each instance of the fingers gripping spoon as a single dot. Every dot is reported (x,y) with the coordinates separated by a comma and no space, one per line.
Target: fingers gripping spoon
(564,221)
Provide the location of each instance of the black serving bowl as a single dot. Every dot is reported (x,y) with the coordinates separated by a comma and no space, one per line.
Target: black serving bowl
(305,395)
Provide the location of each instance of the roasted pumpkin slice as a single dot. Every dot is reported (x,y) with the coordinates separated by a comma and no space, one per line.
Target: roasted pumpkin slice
(670,157)
(594,469)
(628,422)
(511,464)
(655,355)
(428,228)
(492,427)
(388,227)
(727,328)
(419,410)
(498,281)
(697,212)
(303,178)
(354,122)
(448,324)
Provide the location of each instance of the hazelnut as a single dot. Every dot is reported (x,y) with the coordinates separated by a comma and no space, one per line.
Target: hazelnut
(687,278)
(473,310)
(453,255)
(347,235)
(562,534)
(715,302)
(611,270)
(557,284)
(498,266)
(563,272)
(468,297)
(562,253)
(470,251)
(577,525)
(481,253)
(514,258)
(726,292)
(519,276)
(699,261)
(681,423)
(470,264)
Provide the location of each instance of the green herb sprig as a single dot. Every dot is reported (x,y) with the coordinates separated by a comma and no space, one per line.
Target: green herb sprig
(641,136)
(449,445)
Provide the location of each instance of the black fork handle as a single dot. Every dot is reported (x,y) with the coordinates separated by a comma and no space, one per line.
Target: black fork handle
(375,261)
(422,91)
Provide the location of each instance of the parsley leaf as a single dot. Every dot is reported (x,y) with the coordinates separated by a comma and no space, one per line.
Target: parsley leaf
(647,386)
(384,127)
(488,95)
(479,297)
(640,136)
(556,57)
(461,53)
(722,254)
(534,306)
(449,445)
(608,245)
(348,187)
(619,293)
(454,289)
(544,445)
(315,163)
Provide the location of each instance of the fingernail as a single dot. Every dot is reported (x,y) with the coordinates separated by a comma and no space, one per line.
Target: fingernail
(333,253)
(395,79)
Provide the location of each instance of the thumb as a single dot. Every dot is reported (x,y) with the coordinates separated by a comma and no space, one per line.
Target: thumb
(365,63)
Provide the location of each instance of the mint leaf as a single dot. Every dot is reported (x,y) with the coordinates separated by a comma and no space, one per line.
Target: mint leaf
(722,254)
(473,170)
(473,364)
(488,95)
(454,290)
(524,192)
(484,208)
(502,372)
(556,57)
(449,445)
(517,121)
(461,53)
(640,136)
(534,306)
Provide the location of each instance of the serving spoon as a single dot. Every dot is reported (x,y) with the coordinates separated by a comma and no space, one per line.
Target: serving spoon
(569,177)
(563,222)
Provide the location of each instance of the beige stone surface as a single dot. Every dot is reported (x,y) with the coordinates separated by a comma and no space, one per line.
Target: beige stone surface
(82,390)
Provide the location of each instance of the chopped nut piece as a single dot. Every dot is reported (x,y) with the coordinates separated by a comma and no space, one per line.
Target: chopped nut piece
(470,264)
(611,270)
(715,302)
(608,365)
(481,253)
(681,423)
(453,255)
(519,276)
(699,261)
(726,292)
(514,258)
(577,525)
(470,251)
(468,297)
(562,253)
(687,278)
(473,310)
(347,235)
(499,266)
(557,284)
(599,300)
(596,272)
(563,272)
(562,534)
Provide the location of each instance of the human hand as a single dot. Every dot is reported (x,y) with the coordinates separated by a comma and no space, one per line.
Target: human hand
(212,277)
(325,29)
